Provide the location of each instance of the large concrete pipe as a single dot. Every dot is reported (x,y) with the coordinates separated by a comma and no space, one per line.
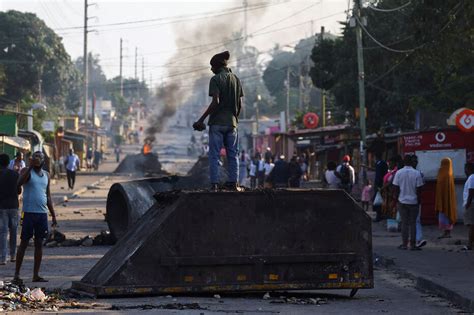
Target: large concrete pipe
(128,201)
(239,241)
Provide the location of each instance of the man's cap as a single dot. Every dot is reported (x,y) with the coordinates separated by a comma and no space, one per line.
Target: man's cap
(282,157)
(220,60)
(346,158)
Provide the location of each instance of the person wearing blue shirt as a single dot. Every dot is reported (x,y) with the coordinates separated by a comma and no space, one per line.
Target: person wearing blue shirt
(72,165)
(36,203)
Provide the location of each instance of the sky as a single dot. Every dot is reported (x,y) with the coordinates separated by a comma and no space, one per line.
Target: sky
(166,31)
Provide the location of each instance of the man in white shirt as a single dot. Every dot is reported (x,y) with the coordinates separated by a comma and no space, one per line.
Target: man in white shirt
(72,164)
(468,203)
(17,164)
(408,183)
(332,180)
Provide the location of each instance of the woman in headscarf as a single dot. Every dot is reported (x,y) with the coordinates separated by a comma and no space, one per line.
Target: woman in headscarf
(389,205)
(445,202)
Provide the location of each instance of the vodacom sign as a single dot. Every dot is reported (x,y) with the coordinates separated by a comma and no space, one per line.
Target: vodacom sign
(465,120)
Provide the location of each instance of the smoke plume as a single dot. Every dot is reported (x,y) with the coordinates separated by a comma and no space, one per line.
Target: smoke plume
(189,72)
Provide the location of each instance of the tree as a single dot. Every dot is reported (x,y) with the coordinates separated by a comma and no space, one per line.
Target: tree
(97,81)
(32,56)
(421,60)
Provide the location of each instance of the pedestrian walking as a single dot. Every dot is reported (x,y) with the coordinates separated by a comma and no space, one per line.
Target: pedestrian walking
(420,242)
(72,165)
(268,167)
(468,203)
(304,167)
(366,195)
(445,201)
(389,203)
(330,177)
(223,111)
(260,172)
(96,159)
(17,164)
(117,152)
(243,167)
(346,174)
(381,169)
(280,173)
(9,212)
(268,154)
(36,203)
(253,173)
(295,173)
(89,156)
(408,183)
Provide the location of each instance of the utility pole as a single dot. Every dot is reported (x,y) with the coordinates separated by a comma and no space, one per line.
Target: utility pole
(121,62)
(245,4)
(136,58)
(323,93)
(143,69)
(136,73)
(85,65)
(300,87)
(361,77)
(288,97)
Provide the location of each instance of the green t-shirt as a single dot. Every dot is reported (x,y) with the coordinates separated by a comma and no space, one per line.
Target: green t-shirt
(229,88)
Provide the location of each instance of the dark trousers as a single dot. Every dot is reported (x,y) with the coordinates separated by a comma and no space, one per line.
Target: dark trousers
(260,179)
(253,182)
(71,178)
(408,215)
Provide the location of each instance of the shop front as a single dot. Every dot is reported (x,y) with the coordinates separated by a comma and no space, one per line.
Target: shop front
(431,146)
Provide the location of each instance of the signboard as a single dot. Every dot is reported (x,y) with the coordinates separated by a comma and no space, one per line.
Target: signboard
(48,125)
(465,120)
(445,139)
(430,161)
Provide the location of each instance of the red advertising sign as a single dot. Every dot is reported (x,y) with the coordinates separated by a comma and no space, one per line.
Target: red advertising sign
(465,120)
(445,139)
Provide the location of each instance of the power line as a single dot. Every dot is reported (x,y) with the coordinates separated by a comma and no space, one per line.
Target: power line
(456,8)
(370,6)
(173,20)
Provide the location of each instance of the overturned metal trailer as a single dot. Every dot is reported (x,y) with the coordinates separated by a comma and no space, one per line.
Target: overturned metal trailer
(128,201)
(195,241)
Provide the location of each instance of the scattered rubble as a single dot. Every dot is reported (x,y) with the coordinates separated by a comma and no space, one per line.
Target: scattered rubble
(57,239)
(21,298)
(168,306)
(300,301)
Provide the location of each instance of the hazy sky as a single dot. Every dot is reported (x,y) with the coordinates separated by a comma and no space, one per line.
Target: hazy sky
(166,22)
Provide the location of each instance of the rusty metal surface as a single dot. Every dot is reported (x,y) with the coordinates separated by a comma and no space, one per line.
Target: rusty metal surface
(239,241)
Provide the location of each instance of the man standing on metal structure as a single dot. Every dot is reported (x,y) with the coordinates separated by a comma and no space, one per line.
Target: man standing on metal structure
(36,203)
(226,92)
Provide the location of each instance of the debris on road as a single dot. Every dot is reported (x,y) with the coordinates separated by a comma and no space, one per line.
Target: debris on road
(300,301)
(19,297)
(168,306)
(57,239)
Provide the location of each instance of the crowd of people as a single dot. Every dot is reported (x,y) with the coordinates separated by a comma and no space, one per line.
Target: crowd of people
(395,195)
(272,171)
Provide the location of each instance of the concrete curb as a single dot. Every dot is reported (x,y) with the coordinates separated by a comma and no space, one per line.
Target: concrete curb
(425,284)
(75,194)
